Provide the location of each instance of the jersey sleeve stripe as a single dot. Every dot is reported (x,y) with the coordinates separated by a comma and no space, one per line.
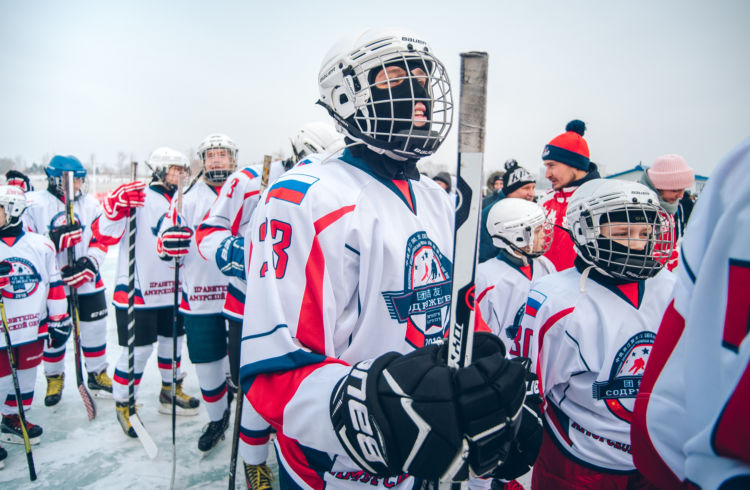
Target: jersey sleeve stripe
(542,331)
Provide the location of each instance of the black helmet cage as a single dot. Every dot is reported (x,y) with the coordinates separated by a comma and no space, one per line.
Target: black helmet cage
(622,261)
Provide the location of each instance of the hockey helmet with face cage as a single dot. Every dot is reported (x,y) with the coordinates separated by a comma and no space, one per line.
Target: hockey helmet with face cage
(13,202)
(407,113)
(520,227)
(315,137)
(218,141)
(55,169)
(160,162)
(619,228)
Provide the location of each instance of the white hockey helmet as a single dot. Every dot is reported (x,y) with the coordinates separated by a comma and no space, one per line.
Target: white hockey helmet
(604,213)
(520,227)
(218,141)
(162,159)
(408,113)
(13,202)
(315,137)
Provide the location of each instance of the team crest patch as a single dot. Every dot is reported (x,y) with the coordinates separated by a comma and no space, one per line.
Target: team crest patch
(620,390)
(534,302)
(424,302)
(61,219)
(24,279)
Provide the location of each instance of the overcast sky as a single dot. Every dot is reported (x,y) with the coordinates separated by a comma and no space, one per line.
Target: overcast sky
(648,77)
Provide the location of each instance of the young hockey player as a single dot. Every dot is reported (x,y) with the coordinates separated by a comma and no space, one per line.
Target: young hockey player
(591,329)
(204,286)
(348,291)
(522,233)
(46,215)
(690,427)
(220,237)
(35,309)
(566,159)
(154,281)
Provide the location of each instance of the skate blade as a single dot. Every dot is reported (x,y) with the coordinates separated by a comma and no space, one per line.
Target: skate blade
(14,439)
(207,453)
(180,412)
(103,394)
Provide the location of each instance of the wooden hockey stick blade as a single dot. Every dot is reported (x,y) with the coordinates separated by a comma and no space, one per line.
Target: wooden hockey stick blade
(88,401)
(146,441)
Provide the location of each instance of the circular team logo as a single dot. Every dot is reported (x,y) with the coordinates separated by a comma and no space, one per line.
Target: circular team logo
(424,302)
(61,218)
(620,390)
(24,279)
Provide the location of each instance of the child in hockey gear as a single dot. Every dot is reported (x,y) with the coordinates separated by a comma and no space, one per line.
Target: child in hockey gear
(690,427)
(522,234)
(349,286)
(46,214)
(33,285)
(154,290)
(204,287)
(592,329)
(313,137)
(567,164)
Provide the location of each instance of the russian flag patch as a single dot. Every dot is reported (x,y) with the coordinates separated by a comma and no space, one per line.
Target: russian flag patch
(291,189)
(535,301)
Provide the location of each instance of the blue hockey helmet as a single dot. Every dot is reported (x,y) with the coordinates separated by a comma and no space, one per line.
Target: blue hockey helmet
(57,166)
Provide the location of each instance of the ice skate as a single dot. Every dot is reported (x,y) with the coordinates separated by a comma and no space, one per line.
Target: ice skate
(10,430)
(258,476)
(123,416)
(186,404)
(100,384)
(213,433)
(55,385)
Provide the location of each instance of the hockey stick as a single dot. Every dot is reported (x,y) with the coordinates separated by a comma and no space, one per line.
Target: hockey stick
(17,388)
(471,121)
(146,441)
(175,313)
(88,400)
(240,393)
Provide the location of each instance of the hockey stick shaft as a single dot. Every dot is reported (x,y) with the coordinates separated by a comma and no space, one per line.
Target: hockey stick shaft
(17,389)
(266,172)
(175,315)
(88,400)
(471,131)
(131,301)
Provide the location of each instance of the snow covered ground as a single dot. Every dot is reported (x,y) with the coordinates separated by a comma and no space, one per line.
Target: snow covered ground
(76,453)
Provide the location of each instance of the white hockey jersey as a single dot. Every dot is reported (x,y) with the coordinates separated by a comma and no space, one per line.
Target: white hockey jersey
(229,216)
(590,350)
(154,278)
(204,287)
(343,266)
(45,210)
(35,293)
(691,417)
(503,288)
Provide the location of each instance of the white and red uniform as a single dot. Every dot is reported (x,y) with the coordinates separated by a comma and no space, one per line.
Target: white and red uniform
(45,211)
(589,350)
(503,287)
(343,266)
(691,418)
(34,296)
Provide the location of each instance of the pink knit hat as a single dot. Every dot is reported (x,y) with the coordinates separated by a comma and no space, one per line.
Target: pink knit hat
(671,172)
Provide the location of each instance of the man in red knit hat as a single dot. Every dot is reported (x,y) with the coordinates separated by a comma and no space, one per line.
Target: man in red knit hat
(566,159)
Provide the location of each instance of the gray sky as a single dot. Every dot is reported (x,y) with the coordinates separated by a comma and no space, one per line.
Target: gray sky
(648,77)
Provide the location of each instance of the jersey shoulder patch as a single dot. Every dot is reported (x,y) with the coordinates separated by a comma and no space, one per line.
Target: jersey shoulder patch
(535,301)
(291,188)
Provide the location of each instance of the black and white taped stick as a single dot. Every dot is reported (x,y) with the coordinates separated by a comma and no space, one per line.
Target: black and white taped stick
(88,400)
(240,395)
(146,441)
(17,390)
(471,131)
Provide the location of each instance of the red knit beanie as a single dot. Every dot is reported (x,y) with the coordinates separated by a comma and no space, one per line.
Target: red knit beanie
(569,148)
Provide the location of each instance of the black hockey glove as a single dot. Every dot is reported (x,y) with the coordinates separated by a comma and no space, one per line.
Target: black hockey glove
(230,257)
(82,271)
(18,179)
(5,271)
(58,332)
(525,447)
(65,236)
(174,242)
(411,413)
